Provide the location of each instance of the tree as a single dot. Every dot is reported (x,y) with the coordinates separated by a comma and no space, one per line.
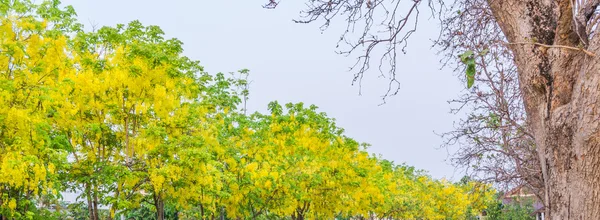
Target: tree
(132,113)
(144,120)
(495,142)
(553,46)
(33,62)
(296,164)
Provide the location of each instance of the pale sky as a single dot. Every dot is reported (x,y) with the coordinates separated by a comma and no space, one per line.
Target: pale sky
(297,63)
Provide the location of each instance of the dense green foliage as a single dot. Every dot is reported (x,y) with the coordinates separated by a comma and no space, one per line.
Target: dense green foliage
(522,210)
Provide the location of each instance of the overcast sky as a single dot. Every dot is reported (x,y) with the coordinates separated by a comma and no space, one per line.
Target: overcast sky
(297,63)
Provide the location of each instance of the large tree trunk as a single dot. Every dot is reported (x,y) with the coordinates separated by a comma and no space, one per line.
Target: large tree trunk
(561,91)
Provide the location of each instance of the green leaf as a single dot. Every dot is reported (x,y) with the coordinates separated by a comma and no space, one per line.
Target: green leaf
(470,73)
(484,52)
(466,55)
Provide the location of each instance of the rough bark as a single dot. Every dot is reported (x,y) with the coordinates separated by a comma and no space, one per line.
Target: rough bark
(561,91)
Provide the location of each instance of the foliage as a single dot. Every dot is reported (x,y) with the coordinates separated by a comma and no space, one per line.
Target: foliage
(296,162)
(148,212)
(79,211)
(32,152)
(516,210)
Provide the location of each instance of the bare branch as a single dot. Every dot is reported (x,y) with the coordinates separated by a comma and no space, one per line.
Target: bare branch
(374,28)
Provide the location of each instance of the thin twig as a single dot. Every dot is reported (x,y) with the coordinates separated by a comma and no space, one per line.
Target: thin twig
(556,46)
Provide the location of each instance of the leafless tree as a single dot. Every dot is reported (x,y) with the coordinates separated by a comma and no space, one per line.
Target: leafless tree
(495,144)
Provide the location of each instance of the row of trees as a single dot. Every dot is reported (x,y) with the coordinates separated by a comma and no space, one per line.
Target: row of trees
(122,117)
